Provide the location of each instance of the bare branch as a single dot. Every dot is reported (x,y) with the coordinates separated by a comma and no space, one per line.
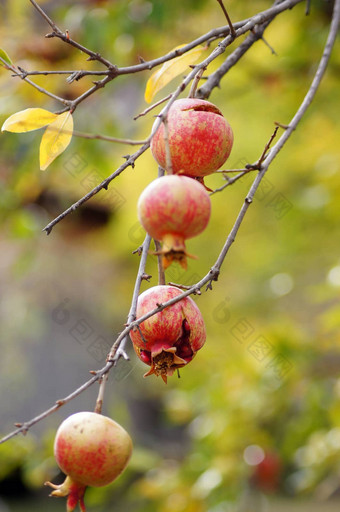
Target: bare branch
(215,53)
(147,110)
(130,161)
(56,32)
(232,30)
(77,74)
(118,347)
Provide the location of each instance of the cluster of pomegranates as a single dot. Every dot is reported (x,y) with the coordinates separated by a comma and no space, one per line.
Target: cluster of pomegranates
(172,209)
(91,449)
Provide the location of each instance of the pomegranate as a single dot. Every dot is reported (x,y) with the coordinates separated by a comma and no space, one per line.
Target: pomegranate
(90,449)
(172,209)
(169,339)
(200,138)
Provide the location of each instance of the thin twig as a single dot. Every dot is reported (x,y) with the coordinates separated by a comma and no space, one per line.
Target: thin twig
(100,397)
(67,39)
(195,83)
(230,181)
(158,247)
(168,161)
(232,30)
(103,185)
(161,273)
(214,79)
(119,348)
(251,167)
(147,110)
(107,138)
(17,72)
(77,73)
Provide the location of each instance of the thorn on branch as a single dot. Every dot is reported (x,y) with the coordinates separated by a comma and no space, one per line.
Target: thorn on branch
(197,291)
(138,251)
(269,46)
(121,353)
(283,126)
(146,277)
(214,277)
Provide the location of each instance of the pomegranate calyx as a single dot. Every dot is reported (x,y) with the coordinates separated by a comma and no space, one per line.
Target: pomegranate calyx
(164,362)
(73,490)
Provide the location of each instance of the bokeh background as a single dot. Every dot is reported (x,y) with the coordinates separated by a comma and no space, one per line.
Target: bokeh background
(254,422)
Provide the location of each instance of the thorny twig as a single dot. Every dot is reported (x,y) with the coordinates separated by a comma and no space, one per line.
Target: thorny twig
(255,20)
(119,345)
(257,166)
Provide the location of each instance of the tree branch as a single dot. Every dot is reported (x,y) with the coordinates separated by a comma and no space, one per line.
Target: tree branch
(215,53)
(213,273)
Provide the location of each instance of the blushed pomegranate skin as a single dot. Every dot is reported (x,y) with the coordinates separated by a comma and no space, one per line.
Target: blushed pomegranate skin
(171,338)
(200,138)
(172,209)
(92,450)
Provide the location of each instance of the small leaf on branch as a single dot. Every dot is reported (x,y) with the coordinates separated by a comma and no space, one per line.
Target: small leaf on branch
(28,120)
(170,70)
(56,138)
(4,56)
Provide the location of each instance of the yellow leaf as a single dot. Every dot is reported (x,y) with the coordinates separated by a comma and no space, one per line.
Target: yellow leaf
(170,70)
(28,120)
(56,138)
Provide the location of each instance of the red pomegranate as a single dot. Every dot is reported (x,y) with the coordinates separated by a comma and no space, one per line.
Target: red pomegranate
(90,449)
(172,209)
(200,138)
(169,339)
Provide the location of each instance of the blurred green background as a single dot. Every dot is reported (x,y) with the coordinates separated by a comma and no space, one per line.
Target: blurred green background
(254,422)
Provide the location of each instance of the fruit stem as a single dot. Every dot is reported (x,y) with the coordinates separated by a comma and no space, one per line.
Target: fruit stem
(168,162)
(161,274)
(100,397)
(195,83)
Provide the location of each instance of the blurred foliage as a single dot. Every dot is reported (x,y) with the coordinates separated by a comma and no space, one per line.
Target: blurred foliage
(268,376)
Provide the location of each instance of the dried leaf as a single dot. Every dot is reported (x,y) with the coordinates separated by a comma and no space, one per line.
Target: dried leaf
(28,120)
(56,138)
(4,57)
(170,70)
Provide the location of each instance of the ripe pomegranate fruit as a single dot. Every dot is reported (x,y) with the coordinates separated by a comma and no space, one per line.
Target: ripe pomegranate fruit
(90,449)
(200,138)
(169,339)
(171,209)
